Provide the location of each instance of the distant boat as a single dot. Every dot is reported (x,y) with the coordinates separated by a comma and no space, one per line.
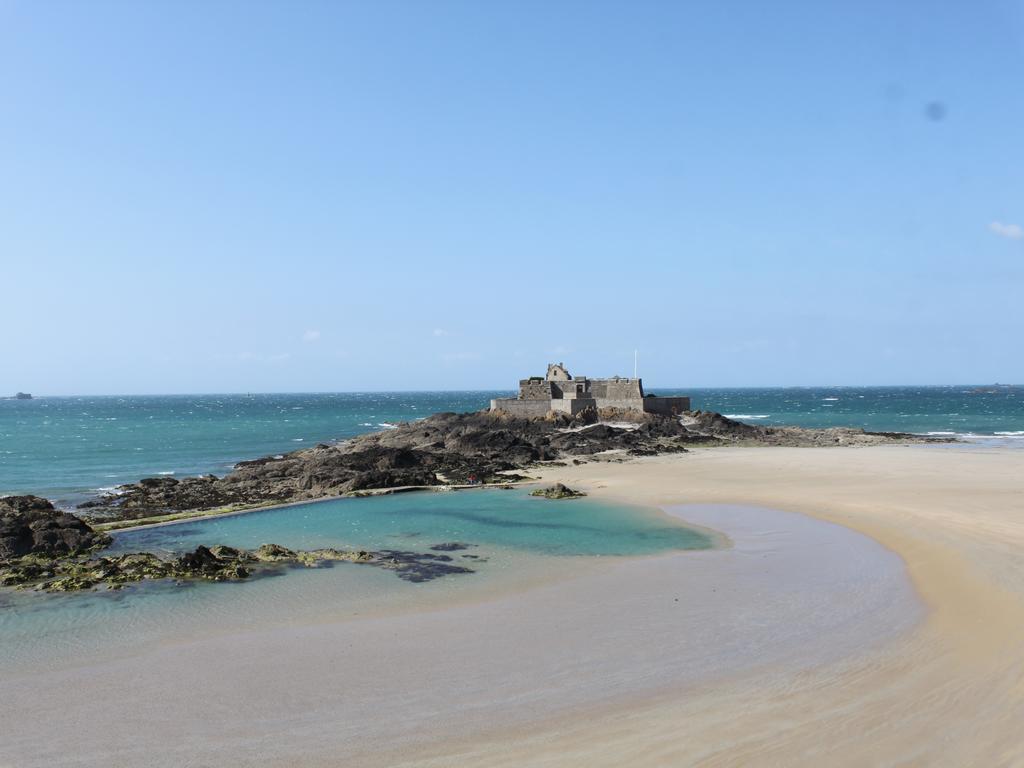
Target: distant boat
(23,396)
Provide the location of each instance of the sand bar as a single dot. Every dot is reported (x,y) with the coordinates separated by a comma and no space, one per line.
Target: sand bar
(949,693)
(815,650)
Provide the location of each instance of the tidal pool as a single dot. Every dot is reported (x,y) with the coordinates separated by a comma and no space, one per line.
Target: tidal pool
(506,537)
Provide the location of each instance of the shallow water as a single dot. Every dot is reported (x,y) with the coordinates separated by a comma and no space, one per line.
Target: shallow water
(509,537)
(790,594)
(484,517)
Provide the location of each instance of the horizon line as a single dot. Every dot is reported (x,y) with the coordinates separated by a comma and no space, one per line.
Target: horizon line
(508,389)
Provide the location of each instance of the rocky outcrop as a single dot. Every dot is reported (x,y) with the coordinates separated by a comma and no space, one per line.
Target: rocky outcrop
(29,525)
(217,563)
(450,448)
(558,491)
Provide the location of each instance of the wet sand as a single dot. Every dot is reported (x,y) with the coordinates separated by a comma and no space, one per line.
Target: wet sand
(949,693)
(789,596)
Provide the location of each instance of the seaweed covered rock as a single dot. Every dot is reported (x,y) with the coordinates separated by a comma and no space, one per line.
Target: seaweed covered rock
(558,491)
(216,563)
(29,525)
(273,553)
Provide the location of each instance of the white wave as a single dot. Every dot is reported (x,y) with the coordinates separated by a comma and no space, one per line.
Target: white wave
(997,437)
(169,472)
(830,398)
(366,424)
(386,425)
(298,439)
(746,415)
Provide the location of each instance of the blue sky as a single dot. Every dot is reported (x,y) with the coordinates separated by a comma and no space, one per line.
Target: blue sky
(432,195)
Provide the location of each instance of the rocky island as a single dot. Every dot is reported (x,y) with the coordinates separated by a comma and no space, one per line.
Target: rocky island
(555,419)
(53,550)
(449,449)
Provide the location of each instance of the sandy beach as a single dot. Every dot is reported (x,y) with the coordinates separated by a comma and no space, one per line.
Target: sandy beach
(869,611)
(949,693)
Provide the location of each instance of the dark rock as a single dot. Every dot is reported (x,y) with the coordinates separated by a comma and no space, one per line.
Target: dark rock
(558,491)
(270,553)
(450,448)
(216,563)
(29,525)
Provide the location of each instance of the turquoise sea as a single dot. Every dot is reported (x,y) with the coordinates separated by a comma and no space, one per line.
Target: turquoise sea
(68,448)
(505,537)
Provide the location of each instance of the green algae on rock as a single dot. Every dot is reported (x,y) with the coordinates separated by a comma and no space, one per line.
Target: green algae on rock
(217,563)
(52,551)
(558,491)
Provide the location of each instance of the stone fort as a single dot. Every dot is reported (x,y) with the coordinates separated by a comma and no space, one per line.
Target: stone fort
(561,392)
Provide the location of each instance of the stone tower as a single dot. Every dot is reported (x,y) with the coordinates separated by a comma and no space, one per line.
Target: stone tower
(557,372)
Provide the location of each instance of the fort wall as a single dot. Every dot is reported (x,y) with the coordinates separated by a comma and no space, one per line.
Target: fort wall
(616,389)
(525,408)
(531,389)
(562,393)
(572,406)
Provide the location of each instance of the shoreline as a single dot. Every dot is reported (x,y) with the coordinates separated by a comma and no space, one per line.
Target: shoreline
(954,518)
(379,689)
(957,673)
(173,518)
(444,450)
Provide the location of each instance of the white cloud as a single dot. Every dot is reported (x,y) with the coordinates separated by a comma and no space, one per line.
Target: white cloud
(310,336)
(440,332)
(1012,231)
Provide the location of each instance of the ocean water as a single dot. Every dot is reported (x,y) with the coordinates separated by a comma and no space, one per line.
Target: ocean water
(509,536)
(485,517)
(69,448)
